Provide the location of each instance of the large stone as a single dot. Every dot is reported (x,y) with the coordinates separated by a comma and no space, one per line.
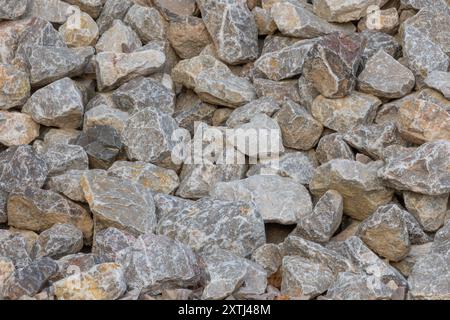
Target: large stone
(110,241)
(59,104)
(385,77)
(79,31)
(54,11)
(345,10)
(232,28)
(440,81)
(63,157)
(269,256)
(21,167)
(151,177)
(344,114)
(168,204)
(104,281)
(14,247)
(332,64)
(232,225)
(59,240)
(120,38)
(141,93)
(14,87)
(146,265)
(362,190)
(103,115)
(375,41)
(112,10)
(280,200)
(333,146)
(17,128)
(147,22)
(278,90)
(406,265)
(296,20)
(325,219)
(429,211)
(38,210)
(119,203)
(12,10)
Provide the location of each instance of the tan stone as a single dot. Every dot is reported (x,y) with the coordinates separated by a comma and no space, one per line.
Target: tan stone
(79,31)
(17,128)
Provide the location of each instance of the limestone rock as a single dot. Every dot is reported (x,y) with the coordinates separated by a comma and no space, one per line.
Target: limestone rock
(175,8)
(14,87)
(428,210)
(91,7)
(278,90)
(104,115)
(12,10)
(38,210)
(307,92)
(14,247)
(79,35)
(385,77)
(168,204)
(59,104)
(232,28)
(440,81)
(53,11)
(420,4)
(269,256)
(375,41)
(344,10)
(231,225)
(17,128)
(112,10)
(104,281)
(345,113)
(60,240)
(6,270)
(386,21)
(406,265)
(280,200)
(3,199)
(333,146)
(190,109)
(110,241)
(147,22)
(21,167)
(119,203)
(120,38)
(359,185)
(264,21)
(331,65)
(63,157)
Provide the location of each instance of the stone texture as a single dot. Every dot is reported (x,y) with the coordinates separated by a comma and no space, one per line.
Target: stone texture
(91,7)
(386,21)
(14,247)
(14,87)
(280,200)
(3,199)
(63,157)
(429,211)
(120,38)
(333,146)
(104,115)
(345,113)
(385,77)
(112,10)
(175,8)
(119,203)
(59,240)
(375,41)
(17,128)
(344,10)
(79,31)
(53,11)
(269,256)
(232,225)
(264,21)
(12,10)
(406,265)
(440,81)
(359,185)
(110,241)
(147,22)
(232,28)
(278,90)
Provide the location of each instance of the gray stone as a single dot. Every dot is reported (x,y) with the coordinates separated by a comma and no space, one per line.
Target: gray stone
(344,10)
(14,246)
(55,11)
(147,22)
(119,203)
(406,265)
(118,38)
(280,200)
(333,146)
(277,42)
(6,270)
(440,81)
(59,240)
(82,34)
(264,21)
(59,104)
(168,204)
(63,157)
(110,241)
(278,90)
(104,115)
(429,211)
(420,4)
(12,10)
(14,87)
(21,167)
(358,183)
(375,41)
(269,256)
(63,136)
(325,219)
(112,9)
(174,8)
(17,128)
(91,7)
(3,199)
(307,92)
(244,114)
(232,28)
(231,225)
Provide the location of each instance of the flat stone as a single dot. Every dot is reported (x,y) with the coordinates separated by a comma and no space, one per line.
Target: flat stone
(112,10)
(345,113)
(59,104)
(60,240)
(17,128)
(14,87)
(278,90)
(120,38)
(269,256)
(20,167)
(440,81)
(362,190)
(429,211)
(38,210)
(12,10)
(104,281)
(285,63)
(279,200)
(79,35)
(147,22)
(175,8)
(296,20)
(147,136)
(14,247)
(331,65)
(151,177)
(102,145)
(114,69)
(63,157)
(30,280)
(333,146)
(376,40)
(237,226)
(232,28)
(119,203)
(110,241)
(147,267)
(299,129)
(324,220)
(188,36)
(422,170)
(385,77)
(344,10)
(141,93)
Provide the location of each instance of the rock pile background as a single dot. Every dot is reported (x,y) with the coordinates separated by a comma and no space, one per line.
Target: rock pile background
(93,207)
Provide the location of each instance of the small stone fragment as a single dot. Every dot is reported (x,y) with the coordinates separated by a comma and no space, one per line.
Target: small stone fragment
(60,240)
(429,211)
(104,115)
(333,146)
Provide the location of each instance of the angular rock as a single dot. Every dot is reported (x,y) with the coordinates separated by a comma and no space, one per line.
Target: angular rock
(423,170)
(147,22)
(278,90)
(344,10)
(3,199)
(375,41)
(59,104)
(274,43)
(440,81)
(264,21)
(269,256)
(112,10)
(359,185)
(420,4)
(333,146)
(38,210)
(17,128)
(120,203)
(63,136)
(14,87)
(231,225)
(104,115)
(147,267)
(104,281)
(91,7)
(344,114)
(21,167)
(60,240)
(385,77)
(299,129)
(151,177)
(307,92)
(190,109)
(325,219)
(429,211)
(120,38)
(14,247)
(12,10)
(82,34)
(167,204)
(63,157)
(386,21)
(6,270)
(56,11)
(279,200)
(175,8)
(331,65)
(406,265)
(232,28)
(110,241)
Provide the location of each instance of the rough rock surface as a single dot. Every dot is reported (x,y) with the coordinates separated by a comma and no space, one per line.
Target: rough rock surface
(17,128)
